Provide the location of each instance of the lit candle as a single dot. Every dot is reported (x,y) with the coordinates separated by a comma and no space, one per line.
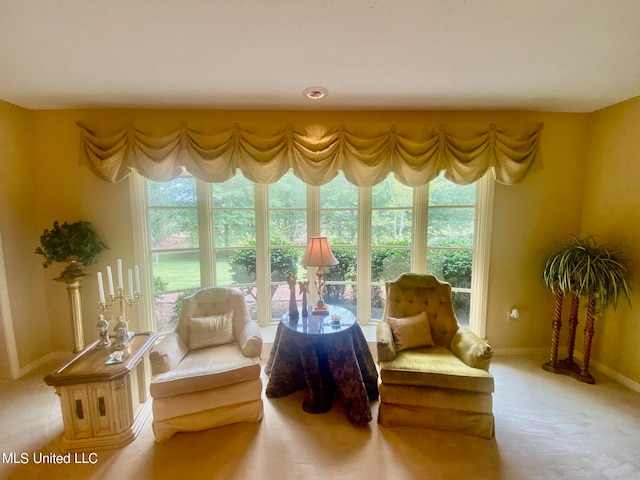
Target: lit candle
(137,270)
(100,288)
(110,281)
(120,283)
(130,272)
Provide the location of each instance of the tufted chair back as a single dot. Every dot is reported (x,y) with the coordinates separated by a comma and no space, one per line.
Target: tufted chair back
(412,293)
(213,301)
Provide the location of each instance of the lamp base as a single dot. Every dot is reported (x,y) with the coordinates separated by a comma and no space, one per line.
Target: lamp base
(320,308)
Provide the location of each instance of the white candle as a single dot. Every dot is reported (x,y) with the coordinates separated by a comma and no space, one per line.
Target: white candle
(130,272)
(100,288)
(137,270)
(120,283)
(110,281)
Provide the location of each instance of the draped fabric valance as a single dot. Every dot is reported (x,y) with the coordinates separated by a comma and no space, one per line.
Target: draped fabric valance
(366,160)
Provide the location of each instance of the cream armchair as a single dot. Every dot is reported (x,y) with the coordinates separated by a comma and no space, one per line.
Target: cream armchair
(434,374)
(207,372)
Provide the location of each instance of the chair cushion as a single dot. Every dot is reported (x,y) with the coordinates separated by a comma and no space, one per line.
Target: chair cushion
(411,332)
(206,368)
(433,397)
(435,367)
(210,330)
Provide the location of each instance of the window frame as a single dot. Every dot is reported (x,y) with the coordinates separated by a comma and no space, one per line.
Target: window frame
(481,248)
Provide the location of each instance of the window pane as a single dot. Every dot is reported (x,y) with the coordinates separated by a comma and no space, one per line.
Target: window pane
(339,193)
(378,298)
(234,193)
(167,308)
(180,192)
(388,263)
(391,227)
(461,307)
(444,192)
(288,192)
(176,271)
(234,227)
(285,261)
(288,227)
(345,271)
(390,193)
(340,226)
(338,211)
(173,228)
(242,265)
(451,227)
(280,300)
(452,266)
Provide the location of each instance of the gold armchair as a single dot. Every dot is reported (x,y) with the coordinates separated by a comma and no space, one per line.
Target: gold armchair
(207,372)
(434,374)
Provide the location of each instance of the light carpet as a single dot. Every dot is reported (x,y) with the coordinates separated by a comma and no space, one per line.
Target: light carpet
(547,427)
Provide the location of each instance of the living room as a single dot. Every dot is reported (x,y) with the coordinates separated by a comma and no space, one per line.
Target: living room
(586,186)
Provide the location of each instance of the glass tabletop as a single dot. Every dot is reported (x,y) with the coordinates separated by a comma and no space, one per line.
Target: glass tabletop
(339,319)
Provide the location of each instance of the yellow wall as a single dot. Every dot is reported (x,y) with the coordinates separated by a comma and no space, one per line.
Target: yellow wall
(528,217)
(18,207)
(611,212)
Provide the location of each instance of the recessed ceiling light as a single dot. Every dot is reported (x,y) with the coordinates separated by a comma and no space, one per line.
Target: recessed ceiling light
(315,93)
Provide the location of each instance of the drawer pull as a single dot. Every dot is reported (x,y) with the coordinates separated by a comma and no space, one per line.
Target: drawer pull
(101,406)
(79,411)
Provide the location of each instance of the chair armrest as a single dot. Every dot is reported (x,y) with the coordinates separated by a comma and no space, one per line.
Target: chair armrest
(250,340)
(471,349)
(386,345)
(167,354)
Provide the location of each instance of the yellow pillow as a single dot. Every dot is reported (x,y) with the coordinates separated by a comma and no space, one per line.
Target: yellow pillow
(411,332)
(211,330)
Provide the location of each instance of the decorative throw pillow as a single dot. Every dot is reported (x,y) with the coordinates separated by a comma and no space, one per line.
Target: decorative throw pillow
(411,332)
(211,330)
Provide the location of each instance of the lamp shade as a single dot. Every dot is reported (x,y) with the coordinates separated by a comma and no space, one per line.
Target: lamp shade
(318,253)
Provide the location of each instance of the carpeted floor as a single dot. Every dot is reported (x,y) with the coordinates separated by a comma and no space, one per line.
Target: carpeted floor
(547,427)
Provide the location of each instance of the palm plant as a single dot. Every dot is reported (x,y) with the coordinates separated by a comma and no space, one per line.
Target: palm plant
(583,269)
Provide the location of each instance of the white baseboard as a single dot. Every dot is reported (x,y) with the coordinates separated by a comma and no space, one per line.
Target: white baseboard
(609,372)
(521,351)
(61,356)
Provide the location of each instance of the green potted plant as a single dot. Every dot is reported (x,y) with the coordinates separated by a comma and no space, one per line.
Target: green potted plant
(583,269)
(73,243)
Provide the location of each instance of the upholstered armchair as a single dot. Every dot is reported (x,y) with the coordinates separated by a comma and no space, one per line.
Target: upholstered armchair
(434,374)
(207,372)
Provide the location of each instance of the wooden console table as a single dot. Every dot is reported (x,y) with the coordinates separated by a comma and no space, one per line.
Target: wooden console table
(104,406)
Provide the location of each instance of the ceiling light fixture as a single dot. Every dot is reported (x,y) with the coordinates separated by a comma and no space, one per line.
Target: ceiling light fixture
(315,93)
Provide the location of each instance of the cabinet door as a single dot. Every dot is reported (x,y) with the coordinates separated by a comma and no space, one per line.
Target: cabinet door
(102,411)
(76,411)
(121,392)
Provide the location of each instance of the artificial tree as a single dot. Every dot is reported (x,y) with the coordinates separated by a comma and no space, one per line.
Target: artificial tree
(77,245)
(583,269)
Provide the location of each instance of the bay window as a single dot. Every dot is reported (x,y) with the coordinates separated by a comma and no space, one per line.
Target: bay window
(251,236)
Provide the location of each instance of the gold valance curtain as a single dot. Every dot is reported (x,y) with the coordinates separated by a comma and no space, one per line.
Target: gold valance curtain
(316,158)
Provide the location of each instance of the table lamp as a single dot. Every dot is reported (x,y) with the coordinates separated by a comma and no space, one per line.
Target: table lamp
(319,255)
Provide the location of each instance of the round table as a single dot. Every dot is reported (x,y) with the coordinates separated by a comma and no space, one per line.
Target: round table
(327,359)
(320,324)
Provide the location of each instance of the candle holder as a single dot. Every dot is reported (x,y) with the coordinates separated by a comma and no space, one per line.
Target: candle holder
(122,333)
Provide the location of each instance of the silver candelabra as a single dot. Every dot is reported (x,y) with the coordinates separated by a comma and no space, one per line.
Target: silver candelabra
(123,297)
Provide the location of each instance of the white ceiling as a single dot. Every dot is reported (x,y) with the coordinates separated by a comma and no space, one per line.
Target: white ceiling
(556,55)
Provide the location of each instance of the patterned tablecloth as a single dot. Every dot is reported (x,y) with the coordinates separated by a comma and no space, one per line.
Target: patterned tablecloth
(328,363)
